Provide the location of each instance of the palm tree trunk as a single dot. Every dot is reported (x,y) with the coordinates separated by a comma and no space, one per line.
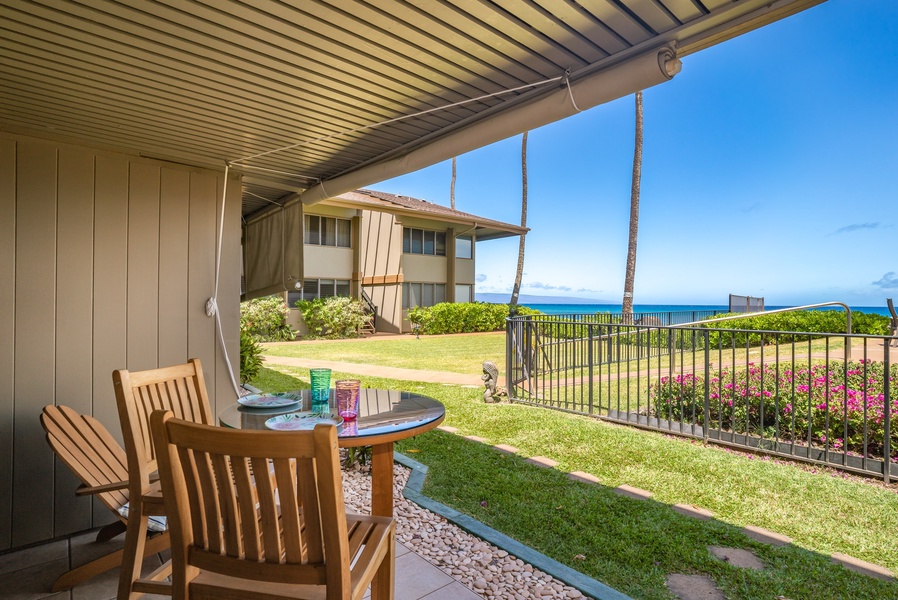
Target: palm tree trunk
(452,186)
(627,304)
(516,290)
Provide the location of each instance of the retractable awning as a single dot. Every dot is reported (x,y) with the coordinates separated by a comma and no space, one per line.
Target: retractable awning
(331,96)
(310,99)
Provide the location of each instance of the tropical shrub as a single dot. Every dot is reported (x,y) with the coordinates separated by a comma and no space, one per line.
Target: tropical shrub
(266,319)
(337,317)
(738,332)
(811,321)
(358,455)
(463,317)
(250,357)
(831,407)
(869,323)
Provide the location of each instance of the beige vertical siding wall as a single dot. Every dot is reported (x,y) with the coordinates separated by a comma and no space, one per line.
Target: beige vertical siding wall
(464,271)
(327,262)
(106,262)
(381,239)
(421,268)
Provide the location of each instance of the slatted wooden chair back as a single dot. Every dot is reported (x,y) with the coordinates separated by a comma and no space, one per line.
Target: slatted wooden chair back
(262,506)
(87,448)
(182,390)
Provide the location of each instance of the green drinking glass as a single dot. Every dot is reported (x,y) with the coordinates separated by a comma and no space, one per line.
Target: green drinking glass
(321,383)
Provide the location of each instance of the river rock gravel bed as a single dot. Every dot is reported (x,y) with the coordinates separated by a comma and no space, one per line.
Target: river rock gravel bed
(489,571)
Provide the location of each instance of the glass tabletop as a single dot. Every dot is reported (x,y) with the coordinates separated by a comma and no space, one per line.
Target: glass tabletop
(381,413)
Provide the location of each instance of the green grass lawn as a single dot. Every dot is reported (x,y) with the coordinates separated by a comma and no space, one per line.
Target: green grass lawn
(456,353)
(632,545)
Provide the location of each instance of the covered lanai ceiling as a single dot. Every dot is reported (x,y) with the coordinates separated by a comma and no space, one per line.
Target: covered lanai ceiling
(319,97)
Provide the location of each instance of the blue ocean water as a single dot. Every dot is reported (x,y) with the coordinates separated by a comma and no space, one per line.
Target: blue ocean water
(556,309)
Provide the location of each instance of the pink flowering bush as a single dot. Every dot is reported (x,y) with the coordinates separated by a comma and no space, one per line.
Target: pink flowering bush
(841,407)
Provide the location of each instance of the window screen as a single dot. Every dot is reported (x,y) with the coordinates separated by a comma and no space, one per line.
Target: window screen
(313,230)
(422,294)
(423,241)
(464,247)
(328,232)
(344,233)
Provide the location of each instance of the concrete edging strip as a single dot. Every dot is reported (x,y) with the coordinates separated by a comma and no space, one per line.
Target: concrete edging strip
(563,573)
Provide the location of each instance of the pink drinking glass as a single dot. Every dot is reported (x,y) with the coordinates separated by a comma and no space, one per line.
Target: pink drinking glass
(347,395)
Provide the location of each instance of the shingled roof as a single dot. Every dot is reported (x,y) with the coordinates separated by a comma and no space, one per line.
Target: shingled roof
(485,229)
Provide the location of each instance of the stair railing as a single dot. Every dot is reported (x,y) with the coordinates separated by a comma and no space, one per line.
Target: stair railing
(370,308)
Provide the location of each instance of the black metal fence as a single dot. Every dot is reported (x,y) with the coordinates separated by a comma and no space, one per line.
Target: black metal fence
(820,398)
(642,318)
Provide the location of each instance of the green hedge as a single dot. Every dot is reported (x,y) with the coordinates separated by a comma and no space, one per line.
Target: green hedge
(465,317)
(250,357)
(265,319)
(338,317)
(722,334)
(811,321)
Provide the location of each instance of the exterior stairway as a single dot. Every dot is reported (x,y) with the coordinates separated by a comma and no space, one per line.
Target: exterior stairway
(370,326)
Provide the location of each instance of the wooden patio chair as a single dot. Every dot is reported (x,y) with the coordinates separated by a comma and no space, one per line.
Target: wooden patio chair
(87,448)
(284,534)
(182,390)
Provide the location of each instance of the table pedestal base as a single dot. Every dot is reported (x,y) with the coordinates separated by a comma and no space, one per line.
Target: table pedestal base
(382,479)
(381,499)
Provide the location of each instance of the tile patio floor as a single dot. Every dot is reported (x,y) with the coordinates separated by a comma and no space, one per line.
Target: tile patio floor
(29,574)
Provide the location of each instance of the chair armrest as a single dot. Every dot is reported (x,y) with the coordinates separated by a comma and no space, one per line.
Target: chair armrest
(90,490)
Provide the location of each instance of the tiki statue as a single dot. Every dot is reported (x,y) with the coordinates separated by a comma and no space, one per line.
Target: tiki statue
(490,380)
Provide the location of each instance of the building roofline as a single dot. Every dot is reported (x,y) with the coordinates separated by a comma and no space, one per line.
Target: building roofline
(405,205)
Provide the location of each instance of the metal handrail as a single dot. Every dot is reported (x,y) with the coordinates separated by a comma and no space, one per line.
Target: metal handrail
(369,304)
(740,316)
(774,311)
(791,308)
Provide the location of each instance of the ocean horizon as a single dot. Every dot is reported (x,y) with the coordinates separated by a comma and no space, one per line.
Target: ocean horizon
(555,309)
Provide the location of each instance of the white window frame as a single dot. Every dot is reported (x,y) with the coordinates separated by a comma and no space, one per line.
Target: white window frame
(468,245)
(328,227)
(312,290)
(413,236)
(463,290)
(436,292)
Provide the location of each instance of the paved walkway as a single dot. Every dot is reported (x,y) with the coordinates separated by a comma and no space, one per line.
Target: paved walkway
(379,371)
(29,574)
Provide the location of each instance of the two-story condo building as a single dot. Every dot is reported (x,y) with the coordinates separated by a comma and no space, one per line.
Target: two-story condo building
(394,251)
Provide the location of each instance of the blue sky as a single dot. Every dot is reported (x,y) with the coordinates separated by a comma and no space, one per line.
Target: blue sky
(770,168)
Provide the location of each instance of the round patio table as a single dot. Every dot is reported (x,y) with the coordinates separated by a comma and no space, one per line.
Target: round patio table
(385,416)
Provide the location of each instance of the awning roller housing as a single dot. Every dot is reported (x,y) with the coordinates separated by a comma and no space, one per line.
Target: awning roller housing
(609,84)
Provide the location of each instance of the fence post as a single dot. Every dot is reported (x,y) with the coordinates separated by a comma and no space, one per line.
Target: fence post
(887,416)
(706,334)
(589,362)
(509,354)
